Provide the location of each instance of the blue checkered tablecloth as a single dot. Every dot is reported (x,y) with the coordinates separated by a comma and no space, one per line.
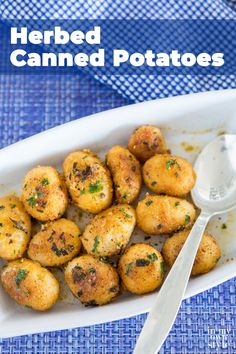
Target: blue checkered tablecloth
(206,323)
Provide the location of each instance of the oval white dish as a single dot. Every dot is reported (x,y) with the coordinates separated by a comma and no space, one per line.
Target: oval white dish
(188,123)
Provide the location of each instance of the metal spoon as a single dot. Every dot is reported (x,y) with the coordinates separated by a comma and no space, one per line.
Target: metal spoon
(214,193)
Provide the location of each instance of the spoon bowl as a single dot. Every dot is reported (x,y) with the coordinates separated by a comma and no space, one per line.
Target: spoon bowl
(215,188)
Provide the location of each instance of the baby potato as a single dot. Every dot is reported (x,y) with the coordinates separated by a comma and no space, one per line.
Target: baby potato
(168,174)
(141,268)
(57,243)
(158,214)
(30,285)
(88,180)
(207,256)
(44,193)
(91,280)
(126,173)
(146,141)
(15,228)
(109,231)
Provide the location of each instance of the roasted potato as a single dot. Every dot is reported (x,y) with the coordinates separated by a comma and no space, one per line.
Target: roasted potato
(57,243)
(126,174)
(30,285)
(157,214)
(168,174)
(141,268)
(88,180)
(15,228)
(91,280)
(109,231)
(44,193)
(146,141)
(207,256)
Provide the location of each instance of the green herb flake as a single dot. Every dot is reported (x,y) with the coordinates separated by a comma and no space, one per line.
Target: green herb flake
(153,183)
(148,202)
(26,293)
(171,163)
(12,206)
(32,200)
(28,306)
(20,276)
(2,207)
(126,214)
(1,224)
(45,182)
(177,204)
(17,225)
(187,219)
(224,226)
(92,270)
(162,266)
(153,257)
(142,262)
(96,243)
(128,268)
(82,192)
(95,187)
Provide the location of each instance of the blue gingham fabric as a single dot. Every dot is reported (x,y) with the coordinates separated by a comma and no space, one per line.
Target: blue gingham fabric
(206,323)
(142,87)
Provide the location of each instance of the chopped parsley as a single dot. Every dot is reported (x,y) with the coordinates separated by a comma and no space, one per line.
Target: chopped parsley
(153,183)
(95,187)
(45,182)
(153,257)
(17,225)
(61,251)
(177,204)
(82,192)
(20,276)
(162,266)
(128,268)
(1,224)
(13,206)
(2,207)
(149,202)
(126,214)
(224,226)
(142,262)
(187,219)
(32,200)
(96,243)
(92,270)
(171,163)
(26,293)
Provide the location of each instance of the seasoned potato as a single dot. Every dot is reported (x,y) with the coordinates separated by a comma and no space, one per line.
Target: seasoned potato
(88,180)
(44,193)
(126,173)
(15,228)
(167,174)
(141,268)
(146,141)
(207,256)
(57,243)
(91,280)
(30,285)
(109,231)
(157,214)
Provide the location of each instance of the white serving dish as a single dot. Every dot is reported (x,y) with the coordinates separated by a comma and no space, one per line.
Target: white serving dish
(188,122)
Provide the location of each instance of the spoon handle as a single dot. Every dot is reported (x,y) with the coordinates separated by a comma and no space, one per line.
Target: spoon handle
(169,298)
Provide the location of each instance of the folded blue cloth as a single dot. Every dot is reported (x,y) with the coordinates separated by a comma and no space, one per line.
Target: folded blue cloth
(143,87)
